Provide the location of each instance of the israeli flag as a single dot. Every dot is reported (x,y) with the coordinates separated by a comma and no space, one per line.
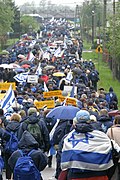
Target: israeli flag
(69,76)
(57,52)
(8,100)
(32,43)
(52,150)
(22,77)
(39,70)
(45,88)
(30,57)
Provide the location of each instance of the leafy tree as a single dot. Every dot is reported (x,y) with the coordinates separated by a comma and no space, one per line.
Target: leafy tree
(28,23)
(6,18)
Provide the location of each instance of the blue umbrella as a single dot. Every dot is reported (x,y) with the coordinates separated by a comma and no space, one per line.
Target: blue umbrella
(63,112)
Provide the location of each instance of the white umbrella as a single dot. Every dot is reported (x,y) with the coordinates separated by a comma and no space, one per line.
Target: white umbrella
(13,66)
(5,66)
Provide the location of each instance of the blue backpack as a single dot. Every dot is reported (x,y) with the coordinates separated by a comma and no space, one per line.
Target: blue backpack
(12,144)
(25,168)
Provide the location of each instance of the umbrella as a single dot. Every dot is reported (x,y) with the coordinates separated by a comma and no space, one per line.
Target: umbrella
(48,67)
(13,65)
(25,62)
(19,70)
(77,71)
(59,74)
(63,112)
(21,56)
(25,66)
(4,52)
(114,112)
(5,66)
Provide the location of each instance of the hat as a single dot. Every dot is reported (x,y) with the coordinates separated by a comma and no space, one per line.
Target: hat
(110,89)
(82,116)
(31,111)
(10,110)
(20,99)
(101,89)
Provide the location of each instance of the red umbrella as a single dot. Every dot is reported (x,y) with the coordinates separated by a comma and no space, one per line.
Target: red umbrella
(25,66)
(114,112)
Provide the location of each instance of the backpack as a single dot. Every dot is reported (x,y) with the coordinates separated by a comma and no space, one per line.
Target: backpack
(94,76)
(61,130)
(50,122)
(25,168)
(35,131)
(12,144)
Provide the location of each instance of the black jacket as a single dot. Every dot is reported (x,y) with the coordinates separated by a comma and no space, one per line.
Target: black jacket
(26,144)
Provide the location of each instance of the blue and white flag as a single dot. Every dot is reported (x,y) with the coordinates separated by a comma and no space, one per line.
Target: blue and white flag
(69,76)
(8,100)
(64,45)
(57,52)
(22,77)
(45,88)
(78,147)
(52,150)
(72,91)
(39,70)
(32,43)
(30,57)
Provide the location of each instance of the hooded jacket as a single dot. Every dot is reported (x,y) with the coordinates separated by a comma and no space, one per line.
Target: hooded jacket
(26,144)
(32,119)
(105,122)
(81,143)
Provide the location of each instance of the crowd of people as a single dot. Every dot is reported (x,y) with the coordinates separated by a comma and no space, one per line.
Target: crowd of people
(83,145)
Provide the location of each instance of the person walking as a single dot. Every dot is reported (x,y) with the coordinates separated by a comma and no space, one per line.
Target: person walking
(28,144)
(114,133)
(85,153)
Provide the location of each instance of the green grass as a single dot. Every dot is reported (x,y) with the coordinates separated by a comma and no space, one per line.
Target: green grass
(106,78)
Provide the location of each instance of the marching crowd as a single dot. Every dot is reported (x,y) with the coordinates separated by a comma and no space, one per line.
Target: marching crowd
(83,145)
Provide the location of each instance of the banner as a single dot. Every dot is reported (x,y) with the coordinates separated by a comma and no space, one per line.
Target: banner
(69,100)
(5,86)
(40,104)
(69,88)
(32,79)
(2,95)
(52,93)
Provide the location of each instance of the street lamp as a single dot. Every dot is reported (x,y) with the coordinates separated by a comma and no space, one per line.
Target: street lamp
(93,16)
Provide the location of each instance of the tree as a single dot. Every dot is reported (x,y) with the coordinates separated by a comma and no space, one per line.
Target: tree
(6,18)
(114,41)
(28,23)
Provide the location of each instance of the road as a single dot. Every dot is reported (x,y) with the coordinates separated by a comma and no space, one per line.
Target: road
(47,174)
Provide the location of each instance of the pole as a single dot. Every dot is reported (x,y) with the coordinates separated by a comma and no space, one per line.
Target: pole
(113,58)
(104,24)
(93,14)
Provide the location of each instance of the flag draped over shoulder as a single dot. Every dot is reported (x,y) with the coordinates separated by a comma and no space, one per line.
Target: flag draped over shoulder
(22,77)
(78,147)
(8,100)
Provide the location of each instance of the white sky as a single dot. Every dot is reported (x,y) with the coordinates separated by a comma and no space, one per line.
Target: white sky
(66,2)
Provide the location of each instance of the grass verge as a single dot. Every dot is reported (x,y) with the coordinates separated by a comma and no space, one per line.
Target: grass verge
(106,78)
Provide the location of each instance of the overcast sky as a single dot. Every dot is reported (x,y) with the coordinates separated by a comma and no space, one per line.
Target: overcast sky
(67,2)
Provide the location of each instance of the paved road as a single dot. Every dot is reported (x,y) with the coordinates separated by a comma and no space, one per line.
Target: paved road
(47,174)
